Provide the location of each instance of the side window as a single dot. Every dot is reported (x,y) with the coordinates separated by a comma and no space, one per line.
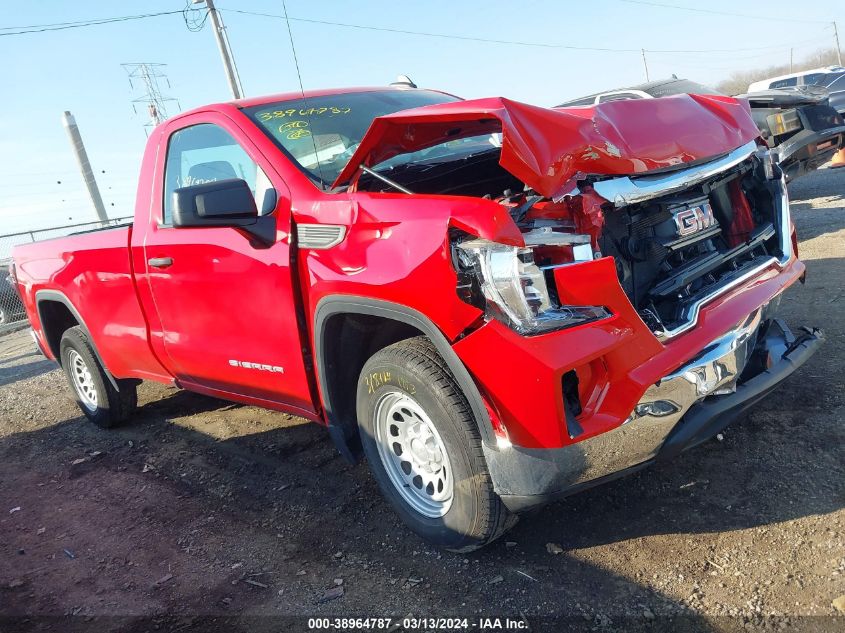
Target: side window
(784,83)
(205,153)
(813,78)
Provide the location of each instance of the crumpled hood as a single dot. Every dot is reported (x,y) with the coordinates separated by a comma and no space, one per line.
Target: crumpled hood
(548,149)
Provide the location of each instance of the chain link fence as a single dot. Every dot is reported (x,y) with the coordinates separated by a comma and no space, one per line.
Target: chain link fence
(12,314)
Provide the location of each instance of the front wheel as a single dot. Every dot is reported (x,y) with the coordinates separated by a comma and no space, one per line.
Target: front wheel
(424,448)
(101,403)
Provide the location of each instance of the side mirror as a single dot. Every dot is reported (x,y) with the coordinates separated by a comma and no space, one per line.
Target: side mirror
(222,203)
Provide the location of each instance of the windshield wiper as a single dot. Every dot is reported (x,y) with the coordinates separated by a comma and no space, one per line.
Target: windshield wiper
(385,180)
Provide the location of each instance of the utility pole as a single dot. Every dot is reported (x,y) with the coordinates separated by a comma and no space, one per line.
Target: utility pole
(790,61)
(645,64)
(153,100)
(836,38)
(225,50)
(84,166)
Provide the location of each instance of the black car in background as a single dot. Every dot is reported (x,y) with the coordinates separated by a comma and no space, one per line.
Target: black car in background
(798,122)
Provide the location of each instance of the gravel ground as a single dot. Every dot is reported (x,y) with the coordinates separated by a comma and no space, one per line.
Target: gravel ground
(199,507)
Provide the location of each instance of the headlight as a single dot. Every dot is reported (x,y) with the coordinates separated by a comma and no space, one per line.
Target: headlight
(783,122)
(505,282)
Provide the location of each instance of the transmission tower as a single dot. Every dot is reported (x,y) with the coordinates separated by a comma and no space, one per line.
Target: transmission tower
(146,77)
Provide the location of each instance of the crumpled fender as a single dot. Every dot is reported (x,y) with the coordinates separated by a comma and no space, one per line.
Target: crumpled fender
(548,149)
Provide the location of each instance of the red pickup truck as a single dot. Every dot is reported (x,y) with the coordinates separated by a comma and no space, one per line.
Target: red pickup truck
(495,303)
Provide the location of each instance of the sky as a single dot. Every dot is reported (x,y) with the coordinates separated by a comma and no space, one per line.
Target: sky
(44,74)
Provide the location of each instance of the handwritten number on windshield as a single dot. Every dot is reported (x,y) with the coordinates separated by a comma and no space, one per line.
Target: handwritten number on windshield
(316,111)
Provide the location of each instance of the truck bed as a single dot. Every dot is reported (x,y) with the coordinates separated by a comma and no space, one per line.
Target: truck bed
(91,274)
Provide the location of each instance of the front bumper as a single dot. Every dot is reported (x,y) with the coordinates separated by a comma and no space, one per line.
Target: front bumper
(683,409)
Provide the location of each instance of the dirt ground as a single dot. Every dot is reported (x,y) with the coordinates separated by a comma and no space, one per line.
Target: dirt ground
(199,507)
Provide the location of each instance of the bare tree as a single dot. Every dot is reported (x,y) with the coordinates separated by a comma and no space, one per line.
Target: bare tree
(737,82)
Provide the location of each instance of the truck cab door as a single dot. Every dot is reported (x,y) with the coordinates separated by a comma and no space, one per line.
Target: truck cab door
(223,312)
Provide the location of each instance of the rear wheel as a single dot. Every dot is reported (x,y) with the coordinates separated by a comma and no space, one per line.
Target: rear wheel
(101,403)
(424,448)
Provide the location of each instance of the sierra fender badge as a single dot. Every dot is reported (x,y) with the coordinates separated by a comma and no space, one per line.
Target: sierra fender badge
(259,366)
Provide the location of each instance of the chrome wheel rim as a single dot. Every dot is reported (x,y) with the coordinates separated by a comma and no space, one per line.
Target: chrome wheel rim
(83,381)
(413,454)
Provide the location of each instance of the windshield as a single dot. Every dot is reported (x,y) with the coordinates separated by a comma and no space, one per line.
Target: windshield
(320,134)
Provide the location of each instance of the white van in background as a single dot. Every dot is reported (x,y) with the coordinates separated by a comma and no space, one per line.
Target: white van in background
(803,78)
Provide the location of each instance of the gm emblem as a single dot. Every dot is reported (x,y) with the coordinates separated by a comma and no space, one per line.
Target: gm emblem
(694,219)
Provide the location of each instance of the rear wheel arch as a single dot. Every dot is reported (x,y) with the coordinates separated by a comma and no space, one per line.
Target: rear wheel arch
(57,315)
(348,330)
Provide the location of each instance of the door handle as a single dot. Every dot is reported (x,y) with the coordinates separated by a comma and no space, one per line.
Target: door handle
(160,262)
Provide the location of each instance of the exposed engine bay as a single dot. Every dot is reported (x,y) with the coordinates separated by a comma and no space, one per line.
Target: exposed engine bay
(670,251)
(675,250)
(476,174)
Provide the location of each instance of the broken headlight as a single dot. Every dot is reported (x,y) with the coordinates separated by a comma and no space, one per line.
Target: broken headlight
(508,285)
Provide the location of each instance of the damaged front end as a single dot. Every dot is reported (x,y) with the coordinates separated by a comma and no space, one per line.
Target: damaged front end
(635,307)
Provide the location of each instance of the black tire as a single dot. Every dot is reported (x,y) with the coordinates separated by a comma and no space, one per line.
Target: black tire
(113,406)
(476,515)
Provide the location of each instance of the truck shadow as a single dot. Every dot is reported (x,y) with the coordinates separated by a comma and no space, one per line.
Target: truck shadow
(35,366)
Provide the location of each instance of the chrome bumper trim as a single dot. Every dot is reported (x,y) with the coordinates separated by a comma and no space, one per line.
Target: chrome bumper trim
(640,438)
(713,372)
(680,411)
(627,190)
(692,311)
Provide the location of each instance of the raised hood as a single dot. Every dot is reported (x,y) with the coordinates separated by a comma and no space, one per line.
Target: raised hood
(548,149)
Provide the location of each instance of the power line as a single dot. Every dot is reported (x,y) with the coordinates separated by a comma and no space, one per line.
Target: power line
(439,35)
(304,98)
(193,18)
(495,41)
(58,26)
(61,26)
(649,3)
(767,52)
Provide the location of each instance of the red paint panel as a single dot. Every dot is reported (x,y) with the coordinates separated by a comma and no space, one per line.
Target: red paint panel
(397,250)
(93,271)
(225,310)
(526,388)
